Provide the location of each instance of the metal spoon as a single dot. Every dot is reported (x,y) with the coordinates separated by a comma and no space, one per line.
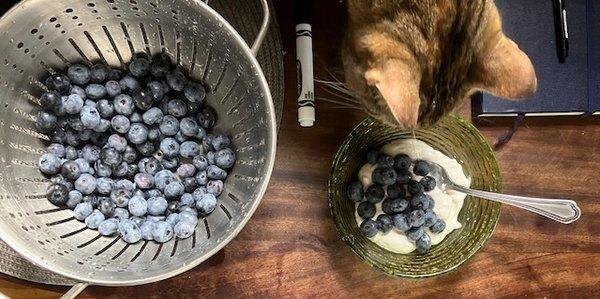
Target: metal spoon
(561,210)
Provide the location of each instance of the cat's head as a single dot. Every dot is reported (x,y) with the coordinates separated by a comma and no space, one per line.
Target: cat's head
(411,62)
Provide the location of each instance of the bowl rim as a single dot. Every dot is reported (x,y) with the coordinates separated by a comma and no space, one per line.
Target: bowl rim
(495,212)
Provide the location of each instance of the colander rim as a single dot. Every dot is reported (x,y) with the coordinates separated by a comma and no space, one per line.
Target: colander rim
(272,147)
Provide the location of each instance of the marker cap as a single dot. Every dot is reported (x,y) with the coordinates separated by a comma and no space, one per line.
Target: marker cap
(306,116)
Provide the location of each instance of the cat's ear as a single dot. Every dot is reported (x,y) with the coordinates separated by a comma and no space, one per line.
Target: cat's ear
(398,84)
(502,69)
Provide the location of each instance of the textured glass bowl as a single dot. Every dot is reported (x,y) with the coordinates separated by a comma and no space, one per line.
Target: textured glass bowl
(456,138)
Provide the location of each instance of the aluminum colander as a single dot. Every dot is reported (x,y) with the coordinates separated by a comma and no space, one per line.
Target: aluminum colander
(40,37)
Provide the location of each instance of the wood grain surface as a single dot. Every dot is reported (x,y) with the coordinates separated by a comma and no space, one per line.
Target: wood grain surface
(290,247)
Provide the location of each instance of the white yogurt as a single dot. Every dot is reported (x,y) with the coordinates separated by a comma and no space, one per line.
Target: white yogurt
(447,203)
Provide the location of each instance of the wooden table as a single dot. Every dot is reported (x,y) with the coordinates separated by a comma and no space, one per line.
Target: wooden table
(290,246)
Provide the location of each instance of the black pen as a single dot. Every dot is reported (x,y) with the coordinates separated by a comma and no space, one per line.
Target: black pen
(561,30)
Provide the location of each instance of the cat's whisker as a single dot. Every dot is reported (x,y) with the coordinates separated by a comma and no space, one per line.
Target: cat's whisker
(337,102)
(343,90)
(342,96)
(345,107)
(330,82)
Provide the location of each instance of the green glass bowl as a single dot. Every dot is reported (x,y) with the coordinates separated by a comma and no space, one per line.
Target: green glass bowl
(453,136)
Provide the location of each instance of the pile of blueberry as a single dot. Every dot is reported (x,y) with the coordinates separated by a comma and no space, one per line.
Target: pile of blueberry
(404,200)
(130,151)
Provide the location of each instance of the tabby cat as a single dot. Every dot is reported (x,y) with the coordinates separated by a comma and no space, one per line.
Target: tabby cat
(413,61)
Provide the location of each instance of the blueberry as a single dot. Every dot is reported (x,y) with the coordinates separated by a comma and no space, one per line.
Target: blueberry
(160,65)
(104,185)
(169,125)
(355,192)
(392,206)
(421,168)
(96,91)
(79,74)
(125,184)
(177,108)
(146,229)
(187,199)
(372,156)
(186,170)
(60,110)
(72,104)
(189,184)
(49,164)
(157,206)
(225,158)
(121,170)
(118,142)
(384,176)
(176,80)
(75,197)
(124,104)
(414,187)
(138,206)
(121,214)
(369,228)
(201,178)
(200,162)
(416,218)
(428,183)
(385,161)
(70,170)
(83,210)
(59,179)
(180,137)
(206,204)
(401,222)
(139,67)
(108,227)
(99,73)
(215,173)
(57,194)
(423,243)
(403,177)
(98,138)
(210,156)
(415,233)
(107,207)
(189,149)
(366,210)
(193,107)
(174,189)
(120,197)
(184,229)
(215,187)
(130,154)
(163,232)
(94,219)
(153,166)
(81,92)
(57,150)
(144,180)
(142,99)
(50,100)
(130,232)
(113,88)
(385,223)
(207,142)
(402,162)
(154,134)
(129,84)
(438,226)
(156,90)
(84,165)
(206,118)
(90,117)
(190,217)
(374,194)
(146,149)
(138,133)
(120,124)
(169,147)
(102,170)
(153,116)
(111,157)
(430,218)
(86,184)
(114,74)
(173,207)
(396,191)
(194,92)
(59,82)
(188,126)
(72,138)
(155,218)
(220,142)
(45,122)
(172,219)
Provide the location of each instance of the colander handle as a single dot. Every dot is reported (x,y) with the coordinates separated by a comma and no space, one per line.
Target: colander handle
(74,291)
(264,28)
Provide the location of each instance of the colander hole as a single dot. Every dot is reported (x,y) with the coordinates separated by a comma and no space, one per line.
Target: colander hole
(34,31)
(80,24)
(75,17)
(156,12)
(110,1)
(80,262)
(174,11)
(47,43)
(53,19)
(26,50)
(69,10)
(114,8)
(137,15)
(57,25)
(63,32)
(20,45)
(59,253)
(91,4)
(41,243)
(41,37)
(152,4)
(32,55)
(98,18)
(25,228)
(135,8)
(132,2)
(118,16)
(14,66)
(95,11)
(11,214)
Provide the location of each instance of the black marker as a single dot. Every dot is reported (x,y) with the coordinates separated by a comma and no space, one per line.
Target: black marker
(561,30)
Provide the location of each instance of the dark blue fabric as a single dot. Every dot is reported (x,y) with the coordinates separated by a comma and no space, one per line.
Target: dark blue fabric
(561,87)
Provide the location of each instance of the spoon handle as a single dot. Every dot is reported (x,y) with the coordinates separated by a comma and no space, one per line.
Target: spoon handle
(561,210)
